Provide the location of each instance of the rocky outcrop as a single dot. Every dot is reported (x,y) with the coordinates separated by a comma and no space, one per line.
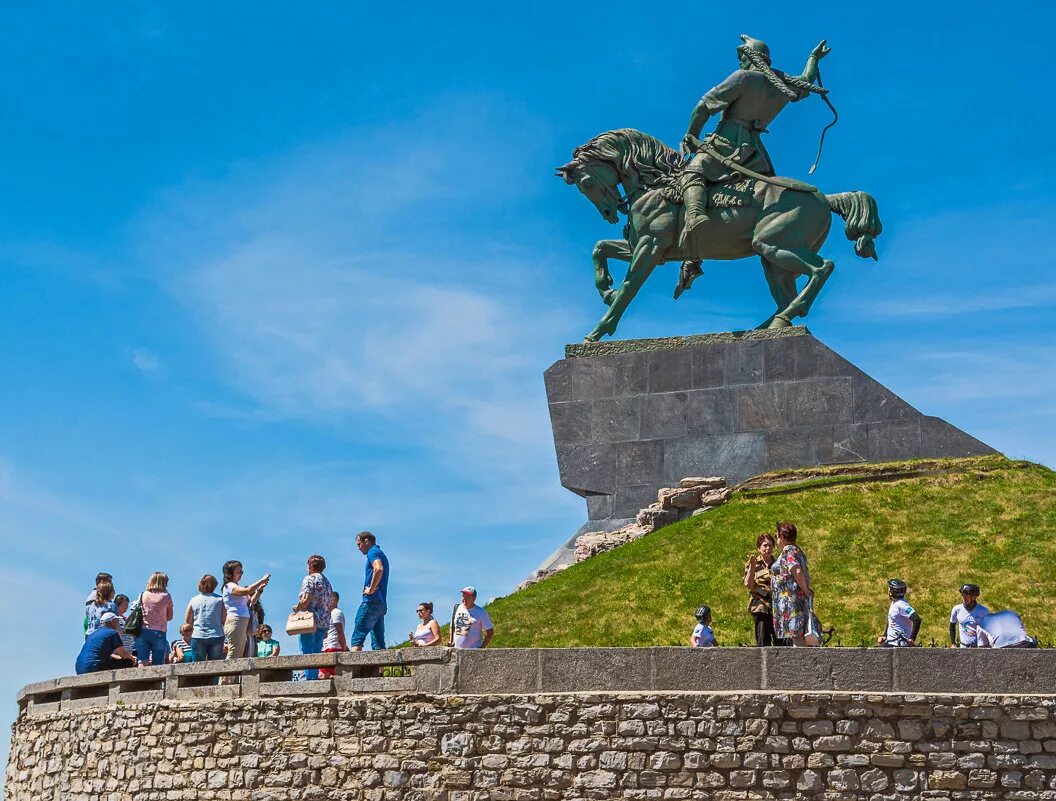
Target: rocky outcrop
(693,495)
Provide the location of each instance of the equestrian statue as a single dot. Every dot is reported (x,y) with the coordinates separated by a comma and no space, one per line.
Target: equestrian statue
(720,197)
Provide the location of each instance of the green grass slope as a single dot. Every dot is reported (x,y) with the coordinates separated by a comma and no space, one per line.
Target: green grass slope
(989,520)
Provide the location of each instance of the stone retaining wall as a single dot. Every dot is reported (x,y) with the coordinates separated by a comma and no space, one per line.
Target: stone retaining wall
(536,724)
(586,746)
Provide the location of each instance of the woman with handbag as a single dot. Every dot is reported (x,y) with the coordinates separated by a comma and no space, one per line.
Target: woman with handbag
(236,604)
(791,591)
(314,599)
(757,581)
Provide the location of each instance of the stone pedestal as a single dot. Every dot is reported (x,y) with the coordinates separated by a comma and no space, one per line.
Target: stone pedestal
(632,416)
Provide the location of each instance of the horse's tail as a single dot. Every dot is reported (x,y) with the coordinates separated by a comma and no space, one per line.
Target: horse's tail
(861,220)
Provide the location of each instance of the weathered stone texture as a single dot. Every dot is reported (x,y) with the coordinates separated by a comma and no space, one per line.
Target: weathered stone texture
(680,745)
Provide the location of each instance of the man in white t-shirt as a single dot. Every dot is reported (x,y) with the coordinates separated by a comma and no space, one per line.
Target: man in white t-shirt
(903,622)
(471,626)
(965,617)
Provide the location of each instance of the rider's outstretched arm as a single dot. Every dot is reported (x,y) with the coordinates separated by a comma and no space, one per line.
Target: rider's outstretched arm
(810,72)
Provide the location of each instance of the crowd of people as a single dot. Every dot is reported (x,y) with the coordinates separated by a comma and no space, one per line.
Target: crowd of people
(781,603)
(122,633)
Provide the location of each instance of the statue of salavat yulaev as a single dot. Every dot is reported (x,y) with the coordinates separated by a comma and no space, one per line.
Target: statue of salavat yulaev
(724,201)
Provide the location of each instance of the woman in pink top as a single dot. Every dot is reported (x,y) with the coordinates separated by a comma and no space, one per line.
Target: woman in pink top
(151,644)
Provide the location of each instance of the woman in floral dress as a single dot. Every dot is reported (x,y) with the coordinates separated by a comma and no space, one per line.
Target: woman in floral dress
(790,587)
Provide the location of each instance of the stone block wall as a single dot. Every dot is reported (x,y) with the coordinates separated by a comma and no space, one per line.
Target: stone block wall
(532,747)
(632,416)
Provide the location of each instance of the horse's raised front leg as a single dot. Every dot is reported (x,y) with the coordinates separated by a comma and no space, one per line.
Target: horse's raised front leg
(603,251)
(795,259)
(646,256)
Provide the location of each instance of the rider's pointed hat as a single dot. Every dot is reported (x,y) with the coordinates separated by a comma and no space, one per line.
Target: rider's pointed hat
(755,45)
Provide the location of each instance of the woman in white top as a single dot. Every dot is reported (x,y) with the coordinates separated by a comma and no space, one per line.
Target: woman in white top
(428,631)
(236,602)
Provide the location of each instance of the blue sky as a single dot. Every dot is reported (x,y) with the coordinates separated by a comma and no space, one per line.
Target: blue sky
(270,276)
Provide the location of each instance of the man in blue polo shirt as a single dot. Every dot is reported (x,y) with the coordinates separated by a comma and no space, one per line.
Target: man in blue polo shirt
(103,649)
(370,617)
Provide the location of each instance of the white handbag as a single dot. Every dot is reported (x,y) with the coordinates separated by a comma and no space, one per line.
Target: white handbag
(300,623)
(812,635)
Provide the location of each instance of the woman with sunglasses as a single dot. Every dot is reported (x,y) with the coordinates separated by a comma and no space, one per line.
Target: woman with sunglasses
(428,631)
(266,645)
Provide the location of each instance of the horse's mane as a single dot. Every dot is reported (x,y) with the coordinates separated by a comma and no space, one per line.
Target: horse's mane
(629,149)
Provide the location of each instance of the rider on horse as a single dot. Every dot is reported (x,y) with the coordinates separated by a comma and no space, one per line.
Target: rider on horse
(749,100)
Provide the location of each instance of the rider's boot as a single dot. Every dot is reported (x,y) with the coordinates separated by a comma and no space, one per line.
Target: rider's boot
(695,198)
(687,274)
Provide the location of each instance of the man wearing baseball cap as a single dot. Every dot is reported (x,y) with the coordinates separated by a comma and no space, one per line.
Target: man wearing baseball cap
(103,649)
(965,617)
(471,626)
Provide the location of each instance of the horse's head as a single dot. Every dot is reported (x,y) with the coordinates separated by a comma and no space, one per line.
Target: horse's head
(599,182)
(624,157)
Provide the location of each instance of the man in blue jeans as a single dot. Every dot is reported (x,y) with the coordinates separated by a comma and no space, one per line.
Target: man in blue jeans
(370,617)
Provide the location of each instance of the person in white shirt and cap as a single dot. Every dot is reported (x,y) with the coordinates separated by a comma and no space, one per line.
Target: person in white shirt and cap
(965,617)
(471,626)
(903,622)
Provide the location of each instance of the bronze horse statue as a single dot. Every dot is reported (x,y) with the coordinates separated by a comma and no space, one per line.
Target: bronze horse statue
(786,227)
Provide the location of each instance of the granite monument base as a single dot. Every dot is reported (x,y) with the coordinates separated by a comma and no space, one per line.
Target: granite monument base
(632,416)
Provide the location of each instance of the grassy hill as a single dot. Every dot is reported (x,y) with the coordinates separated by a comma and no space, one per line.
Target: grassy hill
(989,520)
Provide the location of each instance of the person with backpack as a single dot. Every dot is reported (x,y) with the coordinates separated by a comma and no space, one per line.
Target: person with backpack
(156,604)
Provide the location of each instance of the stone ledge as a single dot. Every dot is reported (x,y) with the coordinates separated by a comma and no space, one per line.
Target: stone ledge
(572,670)
(612,346)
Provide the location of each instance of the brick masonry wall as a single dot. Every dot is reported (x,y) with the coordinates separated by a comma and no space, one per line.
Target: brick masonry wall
(674,745)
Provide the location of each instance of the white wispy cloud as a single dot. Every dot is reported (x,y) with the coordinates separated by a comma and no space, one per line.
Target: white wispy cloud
(145,361)
(331,283)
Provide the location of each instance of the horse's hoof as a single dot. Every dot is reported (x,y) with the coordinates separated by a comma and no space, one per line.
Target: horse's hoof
(592,337)
(779,322)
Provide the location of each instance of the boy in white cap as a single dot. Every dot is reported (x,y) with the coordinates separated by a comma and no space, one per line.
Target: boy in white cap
(471,626)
